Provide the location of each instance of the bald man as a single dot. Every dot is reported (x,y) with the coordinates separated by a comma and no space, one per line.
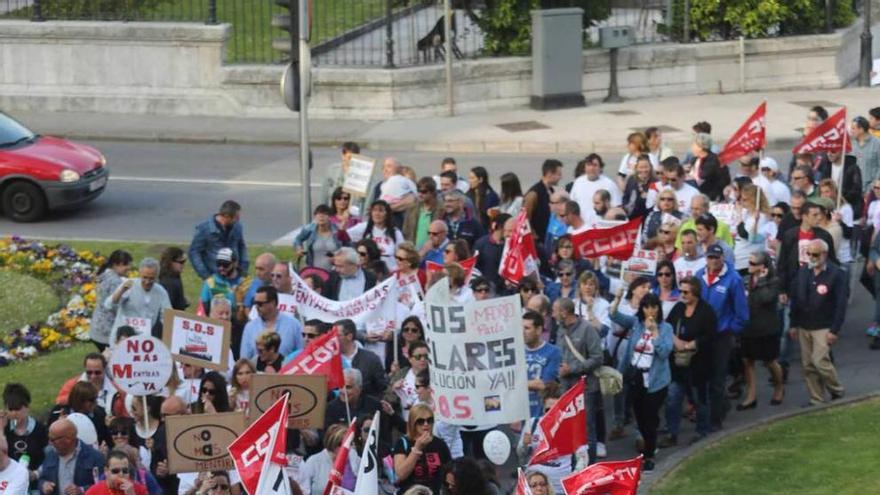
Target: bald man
(263,266)
(438,238)
(69,463)
(13,476)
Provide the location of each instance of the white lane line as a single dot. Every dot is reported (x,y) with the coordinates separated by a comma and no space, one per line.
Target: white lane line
(286,239)
(209,181)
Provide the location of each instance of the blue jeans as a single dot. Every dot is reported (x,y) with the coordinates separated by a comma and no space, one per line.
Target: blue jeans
(674,399)
(701,399)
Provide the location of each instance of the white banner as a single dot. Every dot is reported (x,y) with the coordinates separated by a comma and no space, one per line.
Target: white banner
(375,310)
(478,360)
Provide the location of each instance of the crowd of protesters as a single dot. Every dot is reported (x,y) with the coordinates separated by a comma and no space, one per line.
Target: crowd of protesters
(768,272)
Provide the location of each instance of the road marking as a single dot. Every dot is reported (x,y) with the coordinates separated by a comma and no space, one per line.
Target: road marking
(210,181)
(286,239)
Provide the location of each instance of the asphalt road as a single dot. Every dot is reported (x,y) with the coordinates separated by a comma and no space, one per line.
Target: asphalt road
(159,191)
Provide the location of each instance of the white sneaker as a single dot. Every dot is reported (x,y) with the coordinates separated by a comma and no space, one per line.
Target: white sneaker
(601,453)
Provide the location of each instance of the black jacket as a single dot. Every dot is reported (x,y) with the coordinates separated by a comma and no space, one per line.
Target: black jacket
(373,372)
(331,291)
(174,287)
(763,308)
(702,326)
(852,182)
(788,262)
(819,301)
(715,177)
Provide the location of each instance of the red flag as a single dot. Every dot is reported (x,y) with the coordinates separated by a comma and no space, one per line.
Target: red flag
(618,241)
(252,448)
(468,265)
(522,484)
(320,357)
(520,257)
(335,478)
(564,427)
(606,478)
(827,136)
(751,136)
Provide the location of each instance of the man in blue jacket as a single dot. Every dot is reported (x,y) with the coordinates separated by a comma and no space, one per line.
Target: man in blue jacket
(222,230)
(70,465)
(723,289)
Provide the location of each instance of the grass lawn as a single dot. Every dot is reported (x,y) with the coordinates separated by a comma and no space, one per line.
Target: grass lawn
(24,300)
(44,375)
(830,452)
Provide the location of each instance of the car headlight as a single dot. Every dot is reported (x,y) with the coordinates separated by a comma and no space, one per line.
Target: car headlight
(102,160)
(69,176)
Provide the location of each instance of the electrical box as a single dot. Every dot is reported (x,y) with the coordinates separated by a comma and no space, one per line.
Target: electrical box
(616,36)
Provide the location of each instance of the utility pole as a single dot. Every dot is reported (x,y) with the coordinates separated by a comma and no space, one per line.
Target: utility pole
(867,59)
(305,155)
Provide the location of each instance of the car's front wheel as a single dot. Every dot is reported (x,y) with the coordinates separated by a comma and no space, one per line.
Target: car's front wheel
(23,202)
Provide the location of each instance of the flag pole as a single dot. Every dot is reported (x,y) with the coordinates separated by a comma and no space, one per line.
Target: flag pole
(146,416)
(395,335)
(347,407)
(842,162)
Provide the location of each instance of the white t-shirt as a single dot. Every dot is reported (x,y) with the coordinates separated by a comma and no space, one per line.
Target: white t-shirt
(583,189)
(844,254)
(775,190)
(14,479)
(386,245)
(643,355)
(688,267)
(628,164)
(742,248)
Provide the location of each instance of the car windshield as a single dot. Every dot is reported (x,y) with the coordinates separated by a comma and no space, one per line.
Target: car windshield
(12,133)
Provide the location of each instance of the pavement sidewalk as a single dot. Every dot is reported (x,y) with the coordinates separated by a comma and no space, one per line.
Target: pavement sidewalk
(596,128)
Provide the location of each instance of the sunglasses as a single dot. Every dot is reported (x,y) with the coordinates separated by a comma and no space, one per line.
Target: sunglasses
(753,263)
(94,373)
(260,303)
(425,421)
(776,215)
(119,433)
(209,391)
(565,274)
(400,258)
(664,274)
(815,255)
(528,289)
(343,198)
(362,253)
(310,335)
(481,289)
(224,264)
(411,329)
(182,262)
(419,357)
(685,291)
(421,385)
(119,471)
(424,191)
(798,177)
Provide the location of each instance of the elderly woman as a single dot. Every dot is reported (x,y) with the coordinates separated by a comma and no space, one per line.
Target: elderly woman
(539,484)
(110,277)
(419,456)
(711,176)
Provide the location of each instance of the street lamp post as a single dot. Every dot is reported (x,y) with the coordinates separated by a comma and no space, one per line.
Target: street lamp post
(867,59)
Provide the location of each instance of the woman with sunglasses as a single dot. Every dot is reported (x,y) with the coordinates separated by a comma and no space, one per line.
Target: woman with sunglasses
(240,384)
(380,228)
(645,366)
(340,210)
(213,397)
(411,330)
(125,440)
(419,456)
(171,265)
(666,285)
(777,213)
(666,211)
(410,279)
(83,399)
(760,337)
(402,389)
(564,285)
(665,239)
(565,251)
(693,325)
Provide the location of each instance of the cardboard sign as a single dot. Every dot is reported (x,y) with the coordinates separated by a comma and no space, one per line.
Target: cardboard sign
(197,340)
(360,171)
(308,398)
(642,262)
(140,365)
(197,443)
(725,213)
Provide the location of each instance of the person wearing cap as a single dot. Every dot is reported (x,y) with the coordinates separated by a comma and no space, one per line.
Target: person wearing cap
(723,289)
(776,190)
(852,183)
(226,281)
(223,230)
(818,309)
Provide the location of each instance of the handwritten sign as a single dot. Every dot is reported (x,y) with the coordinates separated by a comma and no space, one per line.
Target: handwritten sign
(478,362)
(197,443)
(642,262)
(308,398)
(142,326)
(197,340)
(360,171)
(140,365)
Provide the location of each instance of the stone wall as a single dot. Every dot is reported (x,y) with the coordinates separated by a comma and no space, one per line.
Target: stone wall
(171,68)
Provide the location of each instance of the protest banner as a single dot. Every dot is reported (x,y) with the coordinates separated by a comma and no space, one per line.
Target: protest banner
(751,136)
(197,340)
(374,310)
(197,443)
(642,262)
(827,136)
(321,356)
(286,304)
(617,242)
(606,478)
(308,394)
(360,171)
(727,213)
(259,452)
(140,365)
(478,367)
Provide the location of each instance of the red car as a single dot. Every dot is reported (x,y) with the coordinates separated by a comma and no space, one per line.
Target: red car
(38,173)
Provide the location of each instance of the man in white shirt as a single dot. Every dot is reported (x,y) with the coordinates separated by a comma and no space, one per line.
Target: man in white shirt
(775,189)
(689,261)
(585,186)
(449,165)
(674,176)
(14,477)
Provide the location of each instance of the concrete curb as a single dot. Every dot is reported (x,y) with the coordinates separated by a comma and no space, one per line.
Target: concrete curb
(674,463)
(497,146)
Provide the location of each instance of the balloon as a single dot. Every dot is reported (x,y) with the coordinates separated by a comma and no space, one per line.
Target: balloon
(496,445)
(85,429)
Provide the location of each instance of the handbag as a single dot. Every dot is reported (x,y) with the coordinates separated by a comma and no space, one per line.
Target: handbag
(610,380)
(682,359)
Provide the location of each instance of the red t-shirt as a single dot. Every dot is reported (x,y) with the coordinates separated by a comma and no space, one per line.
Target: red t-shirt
(804,239)
(102,489)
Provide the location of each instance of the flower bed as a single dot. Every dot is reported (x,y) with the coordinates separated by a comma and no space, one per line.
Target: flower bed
(72,275)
